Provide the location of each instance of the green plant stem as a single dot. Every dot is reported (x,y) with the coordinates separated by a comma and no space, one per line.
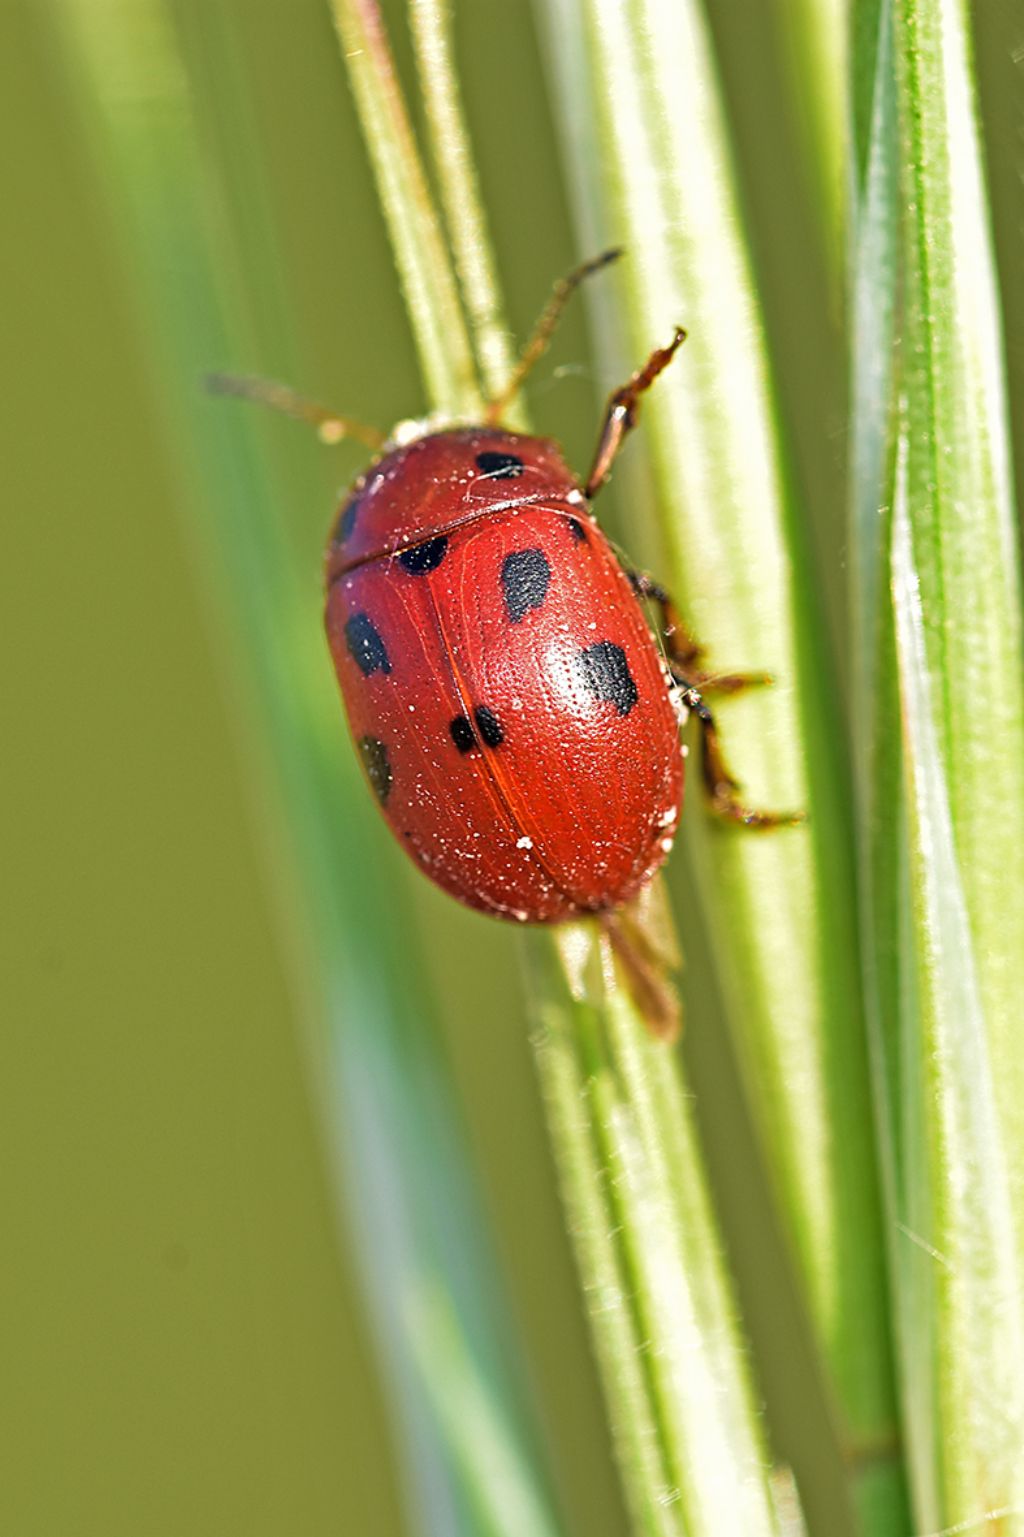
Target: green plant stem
(684,1424)
(452,153)
(781,909)
(431,294)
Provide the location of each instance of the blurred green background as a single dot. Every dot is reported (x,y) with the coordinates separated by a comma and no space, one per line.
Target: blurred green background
(186,1350)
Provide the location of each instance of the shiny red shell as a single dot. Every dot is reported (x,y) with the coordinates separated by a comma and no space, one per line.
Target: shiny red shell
(510,705)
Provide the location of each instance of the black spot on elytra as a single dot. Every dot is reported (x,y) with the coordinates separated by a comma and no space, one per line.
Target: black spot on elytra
(577,529)
(525,577)
(606,674)
(487,724)
(463,734)
(365,645)
(499,466)
(347,522)
(377,765)
(424,557)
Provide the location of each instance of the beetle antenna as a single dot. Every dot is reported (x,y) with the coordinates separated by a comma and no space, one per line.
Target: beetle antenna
(331,428)
(544,330)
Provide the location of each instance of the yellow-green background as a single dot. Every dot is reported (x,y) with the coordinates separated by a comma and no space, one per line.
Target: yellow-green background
(185,1350)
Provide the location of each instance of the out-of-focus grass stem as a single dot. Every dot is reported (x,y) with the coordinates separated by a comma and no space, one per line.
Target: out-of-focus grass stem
(815,38)
(375,1063)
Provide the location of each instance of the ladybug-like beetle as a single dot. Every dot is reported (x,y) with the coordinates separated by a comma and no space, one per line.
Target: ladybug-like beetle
(509,703)
(515,716)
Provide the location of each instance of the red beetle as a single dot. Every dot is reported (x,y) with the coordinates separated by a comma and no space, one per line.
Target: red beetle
(516,718)
(510,705)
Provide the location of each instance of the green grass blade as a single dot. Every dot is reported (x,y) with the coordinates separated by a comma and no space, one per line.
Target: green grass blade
(430,21)
(445,352)
(874,286)
(782,908)
(940,701)
(675,1376)
(959,1270)
(958,484)
(375,1058)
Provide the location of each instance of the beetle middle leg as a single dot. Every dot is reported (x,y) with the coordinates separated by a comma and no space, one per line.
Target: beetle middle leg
(722,787)
(683,650)
(684,653)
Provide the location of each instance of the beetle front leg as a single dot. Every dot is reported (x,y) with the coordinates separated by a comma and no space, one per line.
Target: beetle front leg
(722,787)
(622,410)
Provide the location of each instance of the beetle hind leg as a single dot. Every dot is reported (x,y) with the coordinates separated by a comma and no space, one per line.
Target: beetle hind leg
(646,972)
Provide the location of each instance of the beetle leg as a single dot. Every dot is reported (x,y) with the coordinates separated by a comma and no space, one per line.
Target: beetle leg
(733,682)
(722,787)
(331,427)
(682,648)
(645,972)
(684,652)
(543,332)
(622,410)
